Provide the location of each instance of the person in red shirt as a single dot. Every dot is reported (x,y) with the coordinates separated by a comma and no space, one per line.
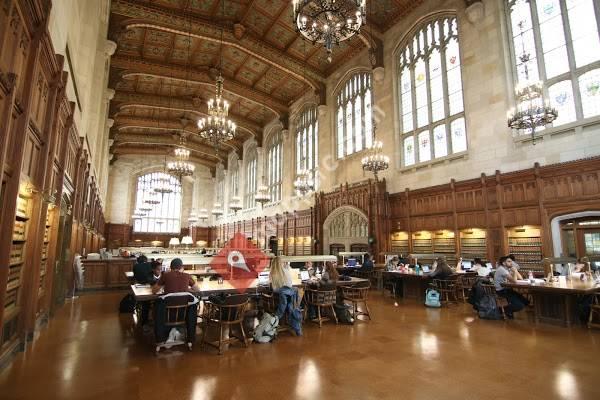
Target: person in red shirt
(175,280)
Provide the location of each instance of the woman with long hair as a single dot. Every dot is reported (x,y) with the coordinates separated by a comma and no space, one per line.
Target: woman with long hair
(281,275)
(330,273)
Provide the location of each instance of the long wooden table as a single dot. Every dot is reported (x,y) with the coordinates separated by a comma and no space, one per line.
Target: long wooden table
(415,285)
(206,288)
(556,302)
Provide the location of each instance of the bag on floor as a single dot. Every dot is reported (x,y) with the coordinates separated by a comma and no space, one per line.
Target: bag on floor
(127,304)
(432,298)
(266,331)
(343,314)
(487,308)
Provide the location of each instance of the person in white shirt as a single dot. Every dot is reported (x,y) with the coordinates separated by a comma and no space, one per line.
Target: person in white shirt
(506,273)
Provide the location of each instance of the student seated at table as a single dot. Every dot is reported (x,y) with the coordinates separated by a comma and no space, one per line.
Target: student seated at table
(156,271)
(441,269)
(367,265)
(392,264)
(142,270)
(330,273)
(516,266)
(175,280)
(506,273)
(480,267)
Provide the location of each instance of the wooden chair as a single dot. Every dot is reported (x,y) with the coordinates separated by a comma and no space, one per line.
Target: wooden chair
(446,288)
(465,284)
(228,314)
(356,295)
(594,310)
(176,309)
(321,299)
(389,283)
(501,302)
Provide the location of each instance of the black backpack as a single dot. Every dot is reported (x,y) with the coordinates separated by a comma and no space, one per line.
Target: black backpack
(127,304)
(343,314)
(487,308)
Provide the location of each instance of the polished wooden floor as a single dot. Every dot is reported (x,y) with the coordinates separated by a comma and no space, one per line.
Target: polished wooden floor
(88,351)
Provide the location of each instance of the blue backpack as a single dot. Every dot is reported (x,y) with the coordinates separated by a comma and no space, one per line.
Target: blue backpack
(432,298)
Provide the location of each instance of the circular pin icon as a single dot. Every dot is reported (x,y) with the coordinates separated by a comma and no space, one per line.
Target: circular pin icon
(236,260)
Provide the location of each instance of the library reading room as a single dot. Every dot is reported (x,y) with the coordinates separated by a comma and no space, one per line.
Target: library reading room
(299,199)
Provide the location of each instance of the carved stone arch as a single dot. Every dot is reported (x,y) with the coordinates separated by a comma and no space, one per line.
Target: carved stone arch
(555,221)
(347,226)
(347,75)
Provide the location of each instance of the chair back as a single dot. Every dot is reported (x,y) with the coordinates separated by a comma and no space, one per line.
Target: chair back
(358,292)
(489,290)
(468,280)
(176,305)
(320,297)
(231,311)
(445,284)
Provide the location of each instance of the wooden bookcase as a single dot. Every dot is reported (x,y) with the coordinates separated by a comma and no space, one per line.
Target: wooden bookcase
(526,244)
(473,244)
(422,242)
(445,243)
(400,243)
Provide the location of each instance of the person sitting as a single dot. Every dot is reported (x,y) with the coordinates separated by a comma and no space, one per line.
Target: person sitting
(480,267)
(330,273)
(441,269)
(203,251)
(175,280)
(367,265)
(156,271)
(142,270)
(516,266)
(392,264)
(506,273)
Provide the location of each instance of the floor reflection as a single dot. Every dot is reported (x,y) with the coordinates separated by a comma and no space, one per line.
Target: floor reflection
(566,384)
(308,383)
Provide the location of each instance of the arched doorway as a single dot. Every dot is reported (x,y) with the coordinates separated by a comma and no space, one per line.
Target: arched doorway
(576,234)
(345,229)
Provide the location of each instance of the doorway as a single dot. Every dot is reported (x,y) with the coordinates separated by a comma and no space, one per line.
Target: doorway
(346,229)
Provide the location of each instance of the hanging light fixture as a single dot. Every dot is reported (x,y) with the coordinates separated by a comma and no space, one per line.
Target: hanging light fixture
(151,197)
(532,111)
(304,182)
(236,204)
(329,21)
(181,166)
(217,128)
(375,161)
(203,214)
(193,218)
(163,185)
(217,210)
(262,194)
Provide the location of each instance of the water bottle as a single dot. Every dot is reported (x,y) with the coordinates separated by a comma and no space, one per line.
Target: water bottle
(531,280)
(417,269)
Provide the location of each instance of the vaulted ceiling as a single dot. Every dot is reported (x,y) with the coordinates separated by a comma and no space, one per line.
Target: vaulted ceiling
(168,55)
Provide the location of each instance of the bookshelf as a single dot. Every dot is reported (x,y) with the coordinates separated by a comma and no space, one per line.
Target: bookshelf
(473,244)
(422,243)
(400,243)
(526,244)
(15,270)
(445,243)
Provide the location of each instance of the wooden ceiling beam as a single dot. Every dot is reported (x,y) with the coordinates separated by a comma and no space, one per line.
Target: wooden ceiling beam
(171,21)
(134,66)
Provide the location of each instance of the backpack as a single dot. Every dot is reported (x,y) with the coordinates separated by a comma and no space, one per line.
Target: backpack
(342,312)
(432,298)
(266,331)
(487,308)
(127,304)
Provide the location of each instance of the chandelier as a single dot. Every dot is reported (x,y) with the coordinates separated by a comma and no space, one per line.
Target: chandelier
(137,214)
(329,21)
(217,128)
(203,214)
(236,204)
(375,161)
(532,111)
(304,182)
(145,209)
(163,185)
(152,196)
(262,195)
(193,218)
(181,166)
(217,211)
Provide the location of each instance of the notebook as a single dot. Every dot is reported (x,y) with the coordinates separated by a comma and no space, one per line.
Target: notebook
(304,275)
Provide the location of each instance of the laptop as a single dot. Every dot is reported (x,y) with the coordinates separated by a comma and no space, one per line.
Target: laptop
(304,276)
(264,278)
(467,265)
(352,262)
(426,268)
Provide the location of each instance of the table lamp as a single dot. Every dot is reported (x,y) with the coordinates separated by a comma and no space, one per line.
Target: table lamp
(187,241)
(174,242)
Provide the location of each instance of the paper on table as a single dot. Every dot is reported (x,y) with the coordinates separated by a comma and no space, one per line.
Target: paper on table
(142,285)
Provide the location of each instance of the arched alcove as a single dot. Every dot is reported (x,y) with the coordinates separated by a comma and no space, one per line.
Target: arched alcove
(346,226)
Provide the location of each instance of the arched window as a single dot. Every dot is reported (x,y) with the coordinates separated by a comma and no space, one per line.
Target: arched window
(354,115)
(561,37)
(234,178)
(274,166)
(165,216)
(431,98)
(307,141)
(250,191)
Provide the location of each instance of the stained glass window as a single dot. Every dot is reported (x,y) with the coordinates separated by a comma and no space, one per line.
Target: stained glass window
(562,40)
(165,216)
(431,96)
(354,115)
(307,141)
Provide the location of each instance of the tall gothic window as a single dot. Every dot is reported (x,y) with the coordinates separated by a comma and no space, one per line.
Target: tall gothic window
(234,178)
(165,216)
(274,166)
(250,191)
(307,141)
(562,39)
(354,115)
(431,98)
